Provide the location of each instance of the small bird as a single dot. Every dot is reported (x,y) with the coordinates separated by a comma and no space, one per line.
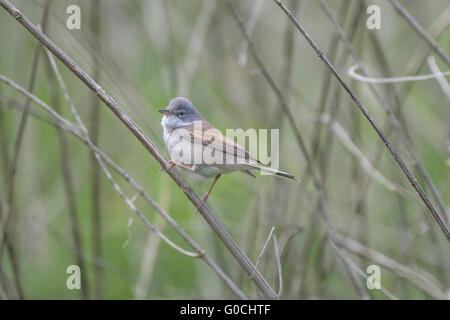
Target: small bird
(187,143)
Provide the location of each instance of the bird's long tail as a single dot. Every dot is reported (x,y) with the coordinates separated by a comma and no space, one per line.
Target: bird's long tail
(272,171)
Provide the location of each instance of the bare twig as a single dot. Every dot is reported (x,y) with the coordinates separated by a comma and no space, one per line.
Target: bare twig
(352,73)
(365,276)
(277,258)
(150,255)
(68,185)
(262,251)
(439,76)
(280,271)
(84,131)
(225,237)
(195,46)
(73,129)
(256,10)
(420,279)
(320,193)
(364,162)
(10,179)
(328,86)
(422,50)
(95,176)
(398,159)
(3,145)
(12,170)
(420,30)
(7,287)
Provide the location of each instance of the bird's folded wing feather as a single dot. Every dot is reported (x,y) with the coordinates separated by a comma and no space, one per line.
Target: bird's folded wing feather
(213,139)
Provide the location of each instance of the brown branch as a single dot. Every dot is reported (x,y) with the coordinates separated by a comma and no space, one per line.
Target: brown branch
(68,183)
(225,237)
(96,232)
(362,108)
(64,124)
(420,30)
(419,278)
(395,121)
(7,209)
(321,203)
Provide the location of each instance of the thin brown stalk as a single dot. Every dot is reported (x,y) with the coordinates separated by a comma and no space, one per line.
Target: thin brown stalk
(149,258)
(320,193)
(327,89)
(3,145)
(420,53)
(73,129)
(14,265)
(440,78)
(365,276)
(94,119)
(313,222)
(132,126)
(7,208)
(420,31)
(12,168)
(195,46)
(417,277)
(84,132)
(256,10)
(68,184)
(405,136)
(8,289)
(395,122)
(225,237)
(442,224)
(263,250)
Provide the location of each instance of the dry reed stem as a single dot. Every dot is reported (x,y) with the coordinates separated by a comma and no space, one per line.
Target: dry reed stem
(225,237)
(419,278)
(76,131)
(7,208)
(94,119)
(420,30)
(436,215)
(68,183)
(334,235)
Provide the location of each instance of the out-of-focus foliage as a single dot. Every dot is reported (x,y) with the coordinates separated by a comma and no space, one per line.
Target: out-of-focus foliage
(143,57)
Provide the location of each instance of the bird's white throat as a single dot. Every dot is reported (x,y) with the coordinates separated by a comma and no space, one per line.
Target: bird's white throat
(174,122)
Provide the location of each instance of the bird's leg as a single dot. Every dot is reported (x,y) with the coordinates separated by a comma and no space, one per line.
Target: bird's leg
(173,164)
(205,197)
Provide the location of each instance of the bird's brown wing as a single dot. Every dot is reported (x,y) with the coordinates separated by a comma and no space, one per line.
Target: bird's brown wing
(213,140)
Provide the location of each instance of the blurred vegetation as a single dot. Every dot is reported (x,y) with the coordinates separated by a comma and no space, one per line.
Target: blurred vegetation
(142,53)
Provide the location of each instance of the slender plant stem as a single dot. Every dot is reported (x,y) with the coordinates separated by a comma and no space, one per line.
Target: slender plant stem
(395,121)
(225,237)
(420,30)
(420,279)
(68,184)
(63,123)
(96,232)
(8,202)
(322,206)
(442,224)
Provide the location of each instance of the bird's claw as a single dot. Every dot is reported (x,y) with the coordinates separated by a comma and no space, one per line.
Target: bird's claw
(171,164)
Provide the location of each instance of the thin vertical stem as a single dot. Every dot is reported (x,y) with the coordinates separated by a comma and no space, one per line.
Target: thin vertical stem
(7,209)
(96,233)
(68,184)
(442,224)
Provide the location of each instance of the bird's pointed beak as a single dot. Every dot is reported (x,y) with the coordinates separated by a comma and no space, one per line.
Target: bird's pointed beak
(165,112)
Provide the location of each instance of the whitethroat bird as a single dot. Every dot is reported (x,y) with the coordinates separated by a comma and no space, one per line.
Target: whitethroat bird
(189,137)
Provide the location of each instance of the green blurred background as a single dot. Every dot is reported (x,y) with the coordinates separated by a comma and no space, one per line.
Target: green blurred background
(150,51)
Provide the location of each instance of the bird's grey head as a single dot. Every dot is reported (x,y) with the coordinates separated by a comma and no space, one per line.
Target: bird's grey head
(180,112)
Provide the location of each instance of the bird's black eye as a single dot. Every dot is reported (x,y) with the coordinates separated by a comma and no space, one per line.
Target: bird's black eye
(181,113)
